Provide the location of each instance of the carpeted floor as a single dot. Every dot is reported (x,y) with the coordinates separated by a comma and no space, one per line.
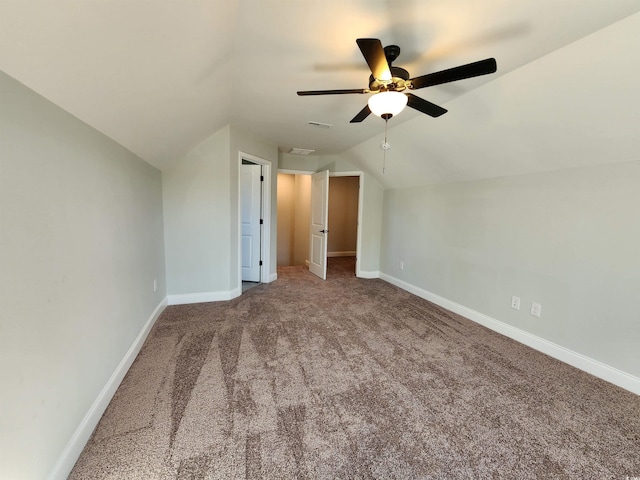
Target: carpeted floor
(351,378)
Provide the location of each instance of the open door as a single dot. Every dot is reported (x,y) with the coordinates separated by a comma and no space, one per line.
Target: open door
(250,188)
(319,224)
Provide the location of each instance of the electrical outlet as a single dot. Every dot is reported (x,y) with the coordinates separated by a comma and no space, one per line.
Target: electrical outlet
(401,265)
(536,309)
(155,284)
(515,303)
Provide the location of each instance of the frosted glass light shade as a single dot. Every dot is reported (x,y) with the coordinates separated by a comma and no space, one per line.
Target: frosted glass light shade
(387,103)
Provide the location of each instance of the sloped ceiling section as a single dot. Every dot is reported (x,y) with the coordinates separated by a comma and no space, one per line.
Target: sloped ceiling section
(160,76)
(577,106)
(155,76)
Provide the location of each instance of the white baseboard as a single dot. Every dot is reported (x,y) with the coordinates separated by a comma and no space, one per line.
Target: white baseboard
(273,277)
(80,437)
(185,298)
(365,274)
(582,362)
(341,254)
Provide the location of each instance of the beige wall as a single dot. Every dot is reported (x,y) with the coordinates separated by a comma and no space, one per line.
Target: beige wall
(343,214)
(294,200)
(303,218)
(286,192)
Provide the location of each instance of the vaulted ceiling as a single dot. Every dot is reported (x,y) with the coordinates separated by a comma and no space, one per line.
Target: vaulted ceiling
(159,76)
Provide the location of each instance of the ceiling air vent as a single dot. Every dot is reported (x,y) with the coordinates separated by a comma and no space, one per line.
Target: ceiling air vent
(301,151)
(320,124)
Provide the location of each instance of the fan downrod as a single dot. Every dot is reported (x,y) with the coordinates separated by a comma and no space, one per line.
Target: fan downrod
(391,52)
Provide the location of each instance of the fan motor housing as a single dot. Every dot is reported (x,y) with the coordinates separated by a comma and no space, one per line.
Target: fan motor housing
(399,77)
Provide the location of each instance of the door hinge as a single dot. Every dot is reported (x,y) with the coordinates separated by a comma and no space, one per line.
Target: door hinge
(262,178)
(261,221)
(260,262)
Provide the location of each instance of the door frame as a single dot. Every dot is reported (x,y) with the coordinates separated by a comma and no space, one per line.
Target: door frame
(265,206)
(358,174)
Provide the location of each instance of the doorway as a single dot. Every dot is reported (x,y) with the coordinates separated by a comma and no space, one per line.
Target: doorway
(344,219)
(254,214)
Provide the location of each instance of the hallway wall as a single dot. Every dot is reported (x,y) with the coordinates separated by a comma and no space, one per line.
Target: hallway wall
(294,209)
(343,216)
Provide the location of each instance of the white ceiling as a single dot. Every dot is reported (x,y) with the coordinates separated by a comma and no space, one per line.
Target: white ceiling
(159,76)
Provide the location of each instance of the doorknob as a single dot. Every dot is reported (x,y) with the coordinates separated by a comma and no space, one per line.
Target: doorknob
(324,231)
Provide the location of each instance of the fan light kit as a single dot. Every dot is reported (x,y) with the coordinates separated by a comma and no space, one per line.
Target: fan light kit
(387,104)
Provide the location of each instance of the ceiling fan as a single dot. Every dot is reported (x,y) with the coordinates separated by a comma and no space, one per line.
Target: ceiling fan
(389,83)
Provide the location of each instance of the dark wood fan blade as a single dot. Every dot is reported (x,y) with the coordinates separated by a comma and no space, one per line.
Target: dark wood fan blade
(373,53)
(469,70)
(362,114)
(332,92)
(424,106)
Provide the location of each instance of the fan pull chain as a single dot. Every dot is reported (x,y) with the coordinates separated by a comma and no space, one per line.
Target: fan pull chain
(385,146)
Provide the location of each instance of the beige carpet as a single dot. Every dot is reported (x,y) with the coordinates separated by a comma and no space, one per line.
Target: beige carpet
(353,378)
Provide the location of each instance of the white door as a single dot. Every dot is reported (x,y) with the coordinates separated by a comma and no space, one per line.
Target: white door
(250,220)
(318,230)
